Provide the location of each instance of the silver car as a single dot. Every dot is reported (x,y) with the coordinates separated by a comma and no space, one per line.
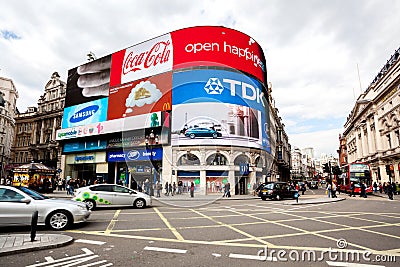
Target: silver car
(18,204)
(111,194)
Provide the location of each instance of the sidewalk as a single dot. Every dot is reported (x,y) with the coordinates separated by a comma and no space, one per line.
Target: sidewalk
(308,199)
(318,200)
(18,243)
(184,196)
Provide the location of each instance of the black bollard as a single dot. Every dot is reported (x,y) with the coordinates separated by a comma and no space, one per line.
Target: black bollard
(35,216)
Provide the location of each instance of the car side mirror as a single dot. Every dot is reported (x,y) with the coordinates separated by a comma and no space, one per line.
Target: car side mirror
(25,200)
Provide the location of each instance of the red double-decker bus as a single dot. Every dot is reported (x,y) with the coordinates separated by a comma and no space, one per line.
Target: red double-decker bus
(355,173)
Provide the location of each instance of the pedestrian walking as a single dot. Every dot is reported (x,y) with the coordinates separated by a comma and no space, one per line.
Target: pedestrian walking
(390,191)
(191,189)
(60,184)
(166,189)
(328,189)
(71,188)
(174,189)
(170,189)
(334,190)
(352,189)
(375,187)
(158,189)
(394,187)
(180,185)
(227,190)
(385,187)
(147,186)
(303,188)
(363,192)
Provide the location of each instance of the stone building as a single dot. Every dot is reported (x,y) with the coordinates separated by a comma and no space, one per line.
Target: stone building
(280,147)
(372,130)
(8,100)
(35,129)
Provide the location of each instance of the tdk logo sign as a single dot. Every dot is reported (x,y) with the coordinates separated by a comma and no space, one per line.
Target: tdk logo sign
(84,113)
(214,87)
(245,90)
(133,154)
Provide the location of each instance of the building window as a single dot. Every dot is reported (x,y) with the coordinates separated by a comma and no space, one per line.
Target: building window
(397,137)
(389,141)
(217,159)
(189,159)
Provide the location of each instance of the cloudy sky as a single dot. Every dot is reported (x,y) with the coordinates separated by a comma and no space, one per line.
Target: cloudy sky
(320,54)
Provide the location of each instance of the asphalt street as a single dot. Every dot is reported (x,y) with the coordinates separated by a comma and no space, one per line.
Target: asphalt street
(247,232)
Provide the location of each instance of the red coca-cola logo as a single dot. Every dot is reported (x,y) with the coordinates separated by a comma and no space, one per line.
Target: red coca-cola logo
(158,54)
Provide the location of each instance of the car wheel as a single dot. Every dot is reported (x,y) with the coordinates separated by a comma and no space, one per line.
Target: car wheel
(139,203)
(90,203)
(192,135)
(278,197)
(59,220)
(214,135)
(263,198)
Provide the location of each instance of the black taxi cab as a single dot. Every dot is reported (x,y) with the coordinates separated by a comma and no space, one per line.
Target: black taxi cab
(277,191)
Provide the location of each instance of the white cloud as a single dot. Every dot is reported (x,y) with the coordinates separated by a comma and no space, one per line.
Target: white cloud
(321,141)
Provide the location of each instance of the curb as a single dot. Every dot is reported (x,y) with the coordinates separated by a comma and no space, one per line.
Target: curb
(163,199)
(316,201)
(55,241)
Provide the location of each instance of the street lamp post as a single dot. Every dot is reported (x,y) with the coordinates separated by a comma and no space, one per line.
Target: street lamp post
(2,156)
(2,163)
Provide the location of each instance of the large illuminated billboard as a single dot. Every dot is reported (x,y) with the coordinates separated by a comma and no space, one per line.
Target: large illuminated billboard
(85,113)
(144,80)
(230,103)
(88,82)
(218,46)
(141,97)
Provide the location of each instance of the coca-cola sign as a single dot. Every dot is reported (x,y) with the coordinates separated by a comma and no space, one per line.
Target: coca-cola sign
(143,60)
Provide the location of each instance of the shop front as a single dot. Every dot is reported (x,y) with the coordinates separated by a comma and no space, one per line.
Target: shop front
(189,177)
(215,181)
(87,168)
(242,180)
(34,175)
(138,168)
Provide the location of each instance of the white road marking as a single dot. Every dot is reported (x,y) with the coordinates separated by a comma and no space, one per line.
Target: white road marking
(93,242)
(49,259)
(172,250)
(76,260)
(216,255)
(252,257)
(350,264)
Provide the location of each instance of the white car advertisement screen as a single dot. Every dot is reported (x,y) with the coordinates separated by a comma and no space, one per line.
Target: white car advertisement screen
(212,107)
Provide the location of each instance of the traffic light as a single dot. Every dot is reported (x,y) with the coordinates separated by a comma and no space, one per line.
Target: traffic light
(388,169)
(326,168)
(336,170)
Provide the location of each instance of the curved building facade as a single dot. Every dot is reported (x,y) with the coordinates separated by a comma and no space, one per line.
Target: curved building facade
(189,106)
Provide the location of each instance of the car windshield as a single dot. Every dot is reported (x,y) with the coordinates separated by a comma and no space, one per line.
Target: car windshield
(33,194)
(269,186)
